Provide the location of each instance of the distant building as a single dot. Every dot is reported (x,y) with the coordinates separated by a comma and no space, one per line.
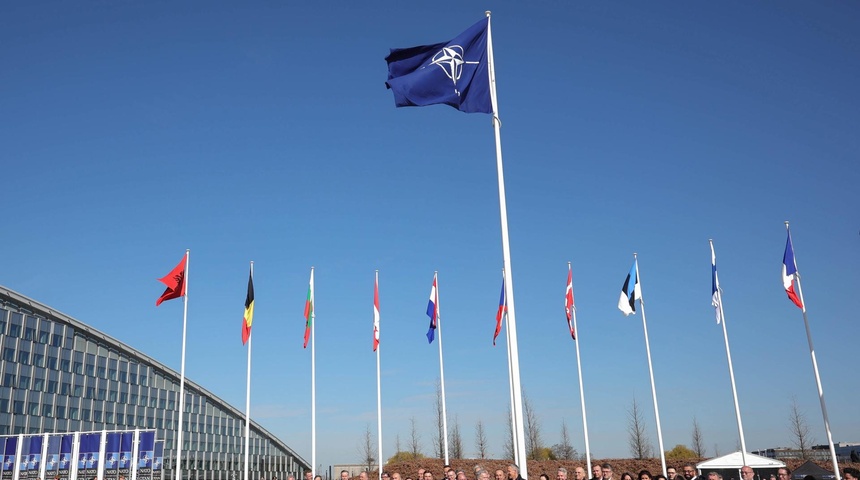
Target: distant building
(816,452)
(59,375)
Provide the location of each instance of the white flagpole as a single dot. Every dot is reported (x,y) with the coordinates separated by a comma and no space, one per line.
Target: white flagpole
(378,399)
(815,368)
(313,379)
(581,389)
(441,368)
(509,282)
(650,369)
(178,465)
(729,357)
(510,377)
(248,399)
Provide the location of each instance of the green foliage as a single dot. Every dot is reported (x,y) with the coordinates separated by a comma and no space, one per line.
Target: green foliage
(404,457)
(680,452)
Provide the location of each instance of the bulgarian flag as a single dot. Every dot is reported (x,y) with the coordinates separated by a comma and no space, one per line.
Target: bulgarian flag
(309,309)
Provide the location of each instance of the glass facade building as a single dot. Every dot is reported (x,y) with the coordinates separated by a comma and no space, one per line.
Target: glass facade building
(60,375)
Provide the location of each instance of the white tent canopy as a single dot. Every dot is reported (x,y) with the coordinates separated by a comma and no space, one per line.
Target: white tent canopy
(735,461)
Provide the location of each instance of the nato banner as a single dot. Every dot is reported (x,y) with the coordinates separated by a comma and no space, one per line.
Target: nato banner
(10,451)
(145,453)
(454,73)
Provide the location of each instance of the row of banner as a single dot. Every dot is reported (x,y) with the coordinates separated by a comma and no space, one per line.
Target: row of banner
(135,455)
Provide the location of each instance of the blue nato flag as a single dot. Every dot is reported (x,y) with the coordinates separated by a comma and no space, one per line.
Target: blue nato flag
(454,73)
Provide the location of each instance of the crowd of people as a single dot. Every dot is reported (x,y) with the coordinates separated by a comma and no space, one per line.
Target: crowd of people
(598,472)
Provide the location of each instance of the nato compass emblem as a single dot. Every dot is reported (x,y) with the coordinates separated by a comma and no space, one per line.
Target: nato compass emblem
(450,60)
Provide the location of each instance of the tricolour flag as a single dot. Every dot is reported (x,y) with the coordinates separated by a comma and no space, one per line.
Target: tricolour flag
(376,314)
(568,303)
(433,311)
(175,281)
(500,313)
(454,73)
(630,292)
(716,294)
(309,310)
(248,317)
(789,273)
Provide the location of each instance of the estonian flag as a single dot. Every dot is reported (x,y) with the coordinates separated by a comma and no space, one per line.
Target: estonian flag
(630,292)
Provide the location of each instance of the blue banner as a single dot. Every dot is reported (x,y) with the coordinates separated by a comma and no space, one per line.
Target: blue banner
(125,449)
(31,453)
(65,462)
(145,454)
(158,460)
(9,451)
(52,457)
(112,442)
(88,455)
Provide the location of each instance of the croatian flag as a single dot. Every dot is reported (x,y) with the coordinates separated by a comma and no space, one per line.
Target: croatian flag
(432,311)
(789,273)
(500,314)
(376,314)
(568,302)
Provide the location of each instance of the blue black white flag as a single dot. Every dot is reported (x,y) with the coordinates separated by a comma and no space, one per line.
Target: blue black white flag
(630,292)
(454,73)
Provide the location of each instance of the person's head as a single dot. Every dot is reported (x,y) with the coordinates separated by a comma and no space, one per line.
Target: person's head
(783,473)
(561,474)
(644,475)
(596,472)
(318,477)
(606,469)
(626,476)
(291,477)
(544,476)
(671,473)
(851,473)
(344,475)
(499,475)
(395,476)
(513,471)
(363,476)
(483,474)
(309,475)
(747,473)
(428,475)
(689,471)
(385,475)
(461,475)
(421,474)
(579,473)
(450,474)
(660,476)
(714,476)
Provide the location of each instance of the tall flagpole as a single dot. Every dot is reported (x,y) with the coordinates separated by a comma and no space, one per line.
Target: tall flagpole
(441,369)
(313,382)
(651,370)
(509,280)
(815,369)
(721,317)
(248,400)
(581,389)
(182,375)
(378,402)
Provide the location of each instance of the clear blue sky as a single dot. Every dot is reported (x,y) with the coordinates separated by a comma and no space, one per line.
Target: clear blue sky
(134,130)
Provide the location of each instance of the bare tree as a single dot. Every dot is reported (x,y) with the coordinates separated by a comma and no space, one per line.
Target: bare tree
(638,442)
(366,449)
(480,439)
(564,450)
(439,440)
(414,439)
(534,443)
(397,444)
(799,429)
(456,440)
(697,443)
(508,446)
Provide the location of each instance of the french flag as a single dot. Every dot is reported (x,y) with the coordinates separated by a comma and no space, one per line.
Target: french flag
(500,314)
(432,311)
(789,273)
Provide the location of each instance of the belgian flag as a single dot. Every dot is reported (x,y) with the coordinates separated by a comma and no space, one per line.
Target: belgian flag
(249,309)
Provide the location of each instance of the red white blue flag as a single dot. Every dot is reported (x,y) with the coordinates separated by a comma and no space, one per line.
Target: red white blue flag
(433,311)
(568,303)
(789,273)
(500,314)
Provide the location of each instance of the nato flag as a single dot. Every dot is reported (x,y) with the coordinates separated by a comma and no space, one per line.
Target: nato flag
(454,73)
